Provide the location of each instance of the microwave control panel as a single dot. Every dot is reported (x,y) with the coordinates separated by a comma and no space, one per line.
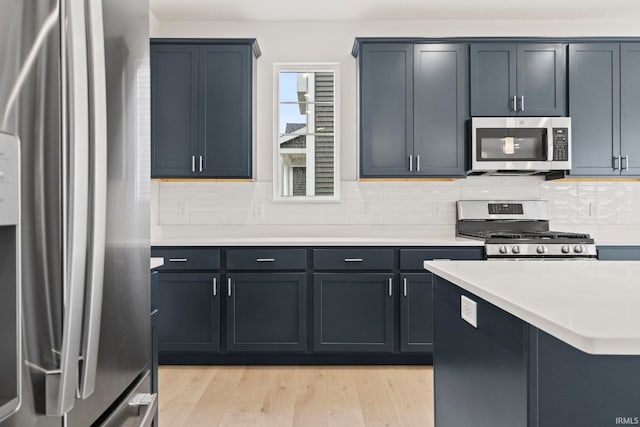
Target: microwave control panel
(561,144)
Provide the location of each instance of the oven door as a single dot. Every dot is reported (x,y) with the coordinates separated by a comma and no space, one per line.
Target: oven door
(511,144)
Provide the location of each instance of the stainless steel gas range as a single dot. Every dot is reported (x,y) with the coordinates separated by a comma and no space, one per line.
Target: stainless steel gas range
(519,229)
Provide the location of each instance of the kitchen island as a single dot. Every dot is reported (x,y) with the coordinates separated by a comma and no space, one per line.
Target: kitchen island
(536,343)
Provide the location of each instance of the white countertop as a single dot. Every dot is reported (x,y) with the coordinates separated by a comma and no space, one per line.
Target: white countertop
(358,235)
(592,305)
(353,235)
(156,262)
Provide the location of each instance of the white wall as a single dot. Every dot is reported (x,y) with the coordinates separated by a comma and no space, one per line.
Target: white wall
(332,42)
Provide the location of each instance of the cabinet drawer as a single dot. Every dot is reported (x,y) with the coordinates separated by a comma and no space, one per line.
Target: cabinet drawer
(188,258)
(266,259)
(353,259)
(413,259)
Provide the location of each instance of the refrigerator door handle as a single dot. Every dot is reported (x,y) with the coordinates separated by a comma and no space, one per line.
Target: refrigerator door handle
(98,195)
(61,392)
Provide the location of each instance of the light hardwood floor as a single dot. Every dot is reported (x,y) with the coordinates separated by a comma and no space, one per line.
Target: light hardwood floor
(301,396)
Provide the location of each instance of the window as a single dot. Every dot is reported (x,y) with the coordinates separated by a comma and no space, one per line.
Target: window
(306,132)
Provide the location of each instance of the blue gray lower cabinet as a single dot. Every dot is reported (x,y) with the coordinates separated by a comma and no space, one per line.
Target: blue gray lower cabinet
(296,304)
(619,253)
(507,373)
(266,312)
(353,312)
(416,312)
(189,311)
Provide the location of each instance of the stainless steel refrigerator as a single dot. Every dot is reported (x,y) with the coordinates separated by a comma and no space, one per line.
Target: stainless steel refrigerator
(74,97)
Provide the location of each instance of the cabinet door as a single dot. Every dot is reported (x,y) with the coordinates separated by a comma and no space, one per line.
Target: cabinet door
(386,110)
(174,110)
(266,312)
(541,79)
(440,109)
(416,312)
(225,111)
(353,312)
(594,107)
(493,79)
(630,109)
(188,307)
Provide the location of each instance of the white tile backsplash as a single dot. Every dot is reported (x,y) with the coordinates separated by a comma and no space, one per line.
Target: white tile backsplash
(391,203)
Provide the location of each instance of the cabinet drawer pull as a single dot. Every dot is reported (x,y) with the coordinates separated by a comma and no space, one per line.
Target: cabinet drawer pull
(410,162)
(625,166)
(229,287)
(193,163)
(616,163)
(418,163)
(200,163)
(404,286)
(514,105)
(215,286)
(353,260)
(522,103)
(178,260)
(265,259)
(390,286)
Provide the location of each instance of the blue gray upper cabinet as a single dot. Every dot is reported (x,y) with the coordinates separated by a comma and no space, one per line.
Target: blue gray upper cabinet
(225,111)
(413,107)
(511,79)
(594,104)
(440,109)
(630,109)
(174,87)
(201,115)
(605,108)
(386,109)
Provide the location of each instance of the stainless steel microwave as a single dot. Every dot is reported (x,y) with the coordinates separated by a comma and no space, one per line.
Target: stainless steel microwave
(520,144)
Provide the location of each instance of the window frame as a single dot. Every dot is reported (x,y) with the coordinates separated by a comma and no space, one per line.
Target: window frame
(299,67)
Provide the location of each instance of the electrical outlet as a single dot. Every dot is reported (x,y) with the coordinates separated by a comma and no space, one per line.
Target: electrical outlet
(365,209)
(469,311)
(183,210)
(258,210)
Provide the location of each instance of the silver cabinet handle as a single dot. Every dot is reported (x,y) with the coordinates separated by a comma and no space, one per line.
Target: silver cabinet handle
(265,259)
(418,163)
(353,260)
(410,162)
(514,107)
(522,103)
(404,286)
(390,286)
(229,287)
(200,163)
(616,163)
(193,163)
(215,286)
(625,166)
(178,260)
(98,198)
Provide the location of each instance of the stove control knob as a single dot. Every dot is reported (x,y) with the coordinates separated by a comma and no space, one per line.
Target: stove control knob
(541,249)
(515,249)
(503,249)
(578,249)
(565,249)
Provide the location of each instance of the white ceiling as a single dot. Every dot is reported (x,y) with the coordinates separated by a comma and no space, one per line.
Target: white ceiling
(357,10)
